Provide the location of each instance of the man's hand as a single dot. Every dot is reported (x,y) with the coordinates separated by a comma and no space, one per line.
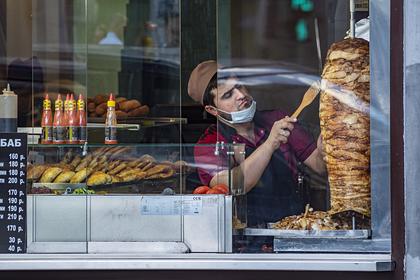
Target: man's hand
(280,132)
(316,160)
(320,147)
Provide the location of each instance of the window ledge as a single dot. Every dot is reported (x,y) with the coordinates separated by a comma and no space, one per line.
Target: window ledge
(193,261)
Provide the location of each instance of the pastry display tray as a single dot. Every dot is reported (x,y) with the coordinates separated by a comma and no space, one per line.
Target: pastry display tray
(153,186)
(299,234)
(59,186)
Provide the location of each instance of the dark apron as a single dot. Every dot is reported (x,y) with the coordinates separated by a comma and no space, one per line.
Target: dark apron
(275,196)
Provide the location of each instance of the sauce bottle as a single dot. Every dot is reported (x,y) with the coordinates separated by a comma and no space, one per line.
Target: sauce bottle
(111,122)
(66,115)
(47,122)
(8,110)
(59,128)
(72,122)
(81,118)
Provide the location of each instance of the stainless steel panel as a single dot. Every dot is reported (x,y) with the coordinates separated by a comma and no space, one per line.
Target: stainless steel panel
(206,232)
(328,234)
(118,218)
(296,262)
(331,245)
(59,218)
(29,219)
(137,247)
(57,247)
(228,224)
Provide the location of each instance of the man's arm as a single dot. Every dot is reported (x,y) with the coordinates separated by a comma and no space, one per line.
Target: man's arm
(252,168)
(316,160)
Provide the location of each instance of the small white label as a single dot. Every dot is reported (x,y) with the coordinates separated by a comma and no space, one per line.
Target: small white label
(192,205)
(171,205)
(361,5)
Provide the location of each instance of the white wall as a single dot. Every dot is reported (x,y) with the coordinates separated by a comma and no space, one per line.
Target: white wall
(412,136)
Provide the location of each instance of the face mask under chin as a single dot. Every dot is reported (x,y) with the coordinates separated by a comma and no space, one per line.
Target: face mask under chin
(238,117)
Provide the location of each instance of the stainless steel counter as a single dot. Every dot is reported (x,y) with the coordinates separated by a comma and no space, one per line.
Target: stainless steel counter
(195,261)
(129,223)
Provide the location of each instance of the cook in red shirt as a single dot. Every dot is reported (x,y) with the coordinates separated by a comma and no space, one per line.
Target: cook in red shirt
(274,143)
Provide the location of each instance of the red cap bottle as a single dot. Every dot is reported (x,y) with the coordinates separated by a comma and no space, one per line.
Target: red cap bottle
(59,129)
(111,122)
(47,121)
(81,117)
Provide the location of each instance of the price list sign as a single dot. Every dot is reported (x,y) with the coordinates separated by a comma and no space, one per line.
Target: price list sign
(13,159)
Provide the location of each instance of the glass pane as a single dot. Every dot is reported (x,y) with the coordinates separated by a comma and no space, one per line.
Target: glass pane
(57,200)
(134,53)
(312,173)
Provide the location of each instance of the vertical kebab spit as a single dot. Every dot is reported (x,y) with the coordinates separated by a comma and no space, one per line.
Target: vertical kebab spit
(344,121)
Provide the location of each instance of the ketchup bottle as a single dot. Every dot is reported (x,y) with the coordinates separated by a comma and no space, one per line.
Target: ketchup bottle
(58,124)
(81,118)
(111,122)
(72,122)
(47,122)
(66,116)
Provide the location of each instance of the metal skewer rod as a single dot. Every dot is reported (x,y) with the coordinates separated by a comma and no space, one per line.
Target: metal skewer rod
(352,21)
(318,45)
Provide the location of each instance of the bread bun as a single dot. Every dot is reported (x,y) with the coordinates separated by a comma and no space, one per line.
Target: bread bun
(120,99)
(140,111)
(101,109)
(100,98)
(129,105)
(121,114)
(91,107)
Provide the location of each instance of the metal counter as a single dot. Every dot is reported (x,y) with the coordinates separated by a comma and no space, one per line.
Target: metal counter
(195,261)
(129,224)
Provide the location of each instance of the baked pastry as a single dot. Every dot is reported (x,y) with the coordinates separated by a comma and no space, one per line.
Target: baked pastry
(146,165)
(159,171)
(64,177)
(117,169)
(122,152)
(113,164)
(181,166)
(133,162)
(129,175)
(345,125)
(163,175)
(84,162)
(81,175)
(99,178)
(35,172)
(50,174)
(63,166)
(75,162)
(67,157)
(116,179)
(147,157)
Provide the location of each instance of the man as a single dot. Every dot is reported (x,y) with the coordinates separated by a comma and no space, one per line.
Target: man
(274,143)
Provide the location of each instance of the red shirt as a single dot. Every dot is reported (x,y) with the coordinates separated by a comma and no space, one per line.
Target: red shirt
(299,146)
